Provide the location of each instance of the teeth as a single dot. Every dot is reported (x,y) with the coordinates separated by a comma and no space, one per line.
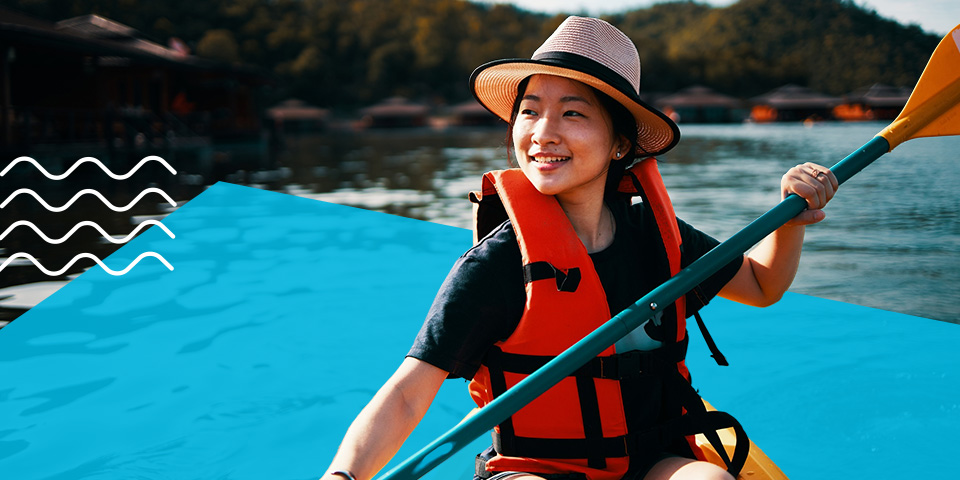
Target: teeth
(550,159)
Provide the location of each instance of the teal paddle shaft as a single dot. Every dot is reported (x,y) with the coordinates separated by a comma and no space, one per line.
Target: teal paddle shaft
(620,325)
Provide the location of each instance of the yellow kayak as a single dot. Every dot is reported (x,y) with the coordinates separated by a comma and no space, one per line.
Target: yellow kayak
(758,465)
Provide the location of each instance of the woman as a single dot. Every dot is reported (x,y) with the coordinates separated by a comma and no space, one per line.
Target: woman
(576,123)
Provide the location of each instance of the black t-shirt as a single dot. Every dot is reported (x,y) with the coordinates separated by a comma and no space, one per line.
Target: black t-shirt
(482,299)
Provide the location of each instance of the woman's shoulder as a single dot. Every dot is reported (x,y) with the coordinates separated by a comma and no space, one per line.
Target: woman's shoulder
(499,245)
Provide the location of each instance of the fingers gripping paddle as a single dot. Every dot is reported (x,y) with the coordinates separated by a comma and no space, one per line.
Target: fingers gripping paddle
(932,110)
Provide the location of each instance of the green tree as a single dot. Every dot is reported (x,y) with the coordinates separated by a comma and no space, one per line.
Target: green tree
(348,54)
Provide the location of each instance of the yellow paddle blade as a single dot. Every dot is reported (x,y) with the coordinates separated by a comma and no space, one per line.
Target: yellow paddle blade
(933,109)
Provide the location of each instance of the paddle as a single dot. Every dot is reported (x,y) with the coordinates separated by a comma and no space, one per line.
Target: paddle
(932,110)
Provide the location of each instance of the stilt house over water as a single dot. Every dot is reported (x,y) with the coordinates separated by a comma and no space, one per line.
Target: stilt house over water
(91,86)
(699,104)
(395,112)
(792,103)
(876,102)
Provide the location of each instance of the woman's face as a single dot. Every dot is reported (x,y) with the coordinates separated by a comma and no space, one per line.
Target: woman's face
(563,138)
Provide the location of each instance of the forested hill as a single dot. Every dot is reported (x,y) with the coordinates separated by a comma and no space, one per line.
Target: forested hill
(339,53)
(755,45)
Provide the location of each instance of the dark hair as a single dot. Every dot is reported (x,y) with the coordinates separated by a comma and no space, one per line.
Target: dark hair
(514,111)
(623,125)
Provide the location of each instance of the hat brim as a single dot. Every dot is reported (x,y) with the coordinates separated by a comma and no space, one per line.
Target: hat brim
(495,86)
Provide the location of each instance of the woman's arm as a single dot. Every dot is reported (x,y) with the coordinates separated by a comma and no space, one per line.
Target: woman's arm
(768,270)
(383,425)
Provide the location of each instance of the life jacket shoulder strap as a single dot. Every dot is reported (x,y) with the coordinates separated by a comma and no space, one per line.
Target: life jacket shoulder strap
(619,366)
(644,179)
(535,216)
(488,210)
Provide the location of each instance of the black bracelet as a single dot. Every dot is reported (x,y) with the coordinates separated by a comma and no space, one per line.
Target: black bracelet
(345,474)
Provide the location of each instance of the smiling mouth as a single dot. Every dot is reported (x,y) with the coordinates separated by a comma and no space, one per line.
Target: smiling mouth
(549,159)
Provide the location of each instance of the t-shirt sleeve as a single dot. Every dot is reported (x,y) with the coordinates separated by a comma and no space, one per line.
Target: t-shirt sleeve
(478,304)
(695,245)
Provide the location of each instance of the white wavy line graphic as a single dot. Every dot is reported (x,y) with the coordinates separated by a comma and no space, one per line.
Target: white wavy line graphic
(88,160)
(92,192)
(76,227)
(85,255)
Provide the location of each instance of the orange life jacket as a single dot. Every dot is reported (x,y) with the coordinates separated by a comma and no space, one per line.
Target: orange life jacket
(580,425)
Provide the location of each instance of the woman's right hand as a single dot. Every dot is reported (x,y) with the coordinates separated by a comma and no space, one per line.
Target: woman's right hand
(815,184)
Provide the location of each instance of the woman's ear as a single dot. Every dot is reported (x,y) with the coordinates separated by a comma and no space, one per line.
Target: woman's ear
(623,147)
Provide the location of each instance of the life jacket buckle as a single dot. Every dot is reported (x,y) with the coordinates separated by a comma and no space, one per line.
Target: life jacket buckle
(622,365)
(631,365)
(568,281)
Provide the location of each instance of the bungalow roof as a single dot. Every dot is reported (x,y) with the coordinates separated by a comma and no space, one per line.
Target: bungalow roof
(396,107)
(295,109)
(698,96)
(880,95)
(795,96)
(104,38)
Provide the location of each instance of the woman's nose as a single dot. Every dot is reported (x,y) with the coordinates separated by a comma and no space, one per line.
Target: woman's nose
(545,131)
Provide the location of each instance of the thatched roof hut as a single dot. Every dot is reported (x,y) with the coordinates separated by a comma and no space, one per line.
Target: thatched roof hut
(792,103)
(698,104)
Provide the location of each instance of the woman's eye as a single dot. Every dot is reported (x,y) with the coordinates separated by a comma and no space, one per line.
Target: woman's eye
(573,113)
(527,111)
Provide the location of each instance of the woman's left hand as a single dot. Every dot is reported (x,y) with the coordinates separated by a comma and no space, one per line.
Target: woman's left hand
(815,184)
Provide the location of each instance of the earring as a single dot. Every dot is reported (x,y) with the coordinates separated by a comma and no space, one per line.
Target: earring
(619,155)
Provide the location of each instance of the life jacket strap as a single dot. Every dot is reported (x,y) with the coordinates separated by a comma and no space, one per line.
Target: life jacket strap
(650,440)
(567,280)
(714,351)
(480,469)
(594,446)
(620,366)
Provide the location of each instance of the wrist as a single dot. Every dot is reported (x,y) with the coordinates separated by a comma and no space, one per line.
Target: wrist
(343,474)
(790,226)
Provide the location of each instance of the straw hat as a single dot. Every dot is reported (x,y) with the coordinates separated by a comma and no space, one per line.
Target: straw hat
(593,52)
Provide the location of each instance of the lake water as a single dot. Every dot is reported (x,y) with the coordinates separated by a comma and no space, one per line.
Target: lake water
(283,315)
(891,238)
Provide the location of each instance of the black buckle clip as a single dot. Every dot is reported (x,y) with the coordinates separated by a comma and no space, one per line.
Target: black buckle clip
(569,281)
(566,281)
(631,365)
(622,365)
